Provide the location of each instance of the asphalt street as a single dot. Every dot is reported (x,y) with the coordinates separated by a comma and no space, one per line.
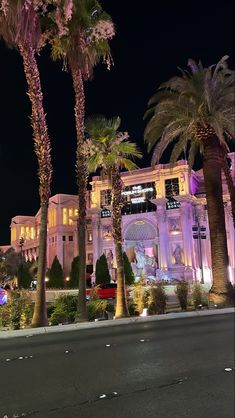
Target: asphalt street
(181,368)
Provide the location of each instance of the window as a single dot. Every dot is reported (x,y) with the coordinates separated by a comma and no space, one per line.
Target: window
(105,197)
(89,236)
(22,231)
(70,238)
(171,187)
(51,218)
(32,232)
(63,238)
(70,216)
(13,234)
(90,258)
(65,216)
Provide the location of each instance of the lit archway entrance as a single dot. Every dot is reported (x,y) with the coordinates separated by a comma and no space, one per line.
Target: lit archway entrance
(141,246)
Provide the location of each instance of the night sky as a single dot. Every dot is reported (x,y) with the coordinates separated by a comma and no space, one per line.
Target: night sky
(152,39)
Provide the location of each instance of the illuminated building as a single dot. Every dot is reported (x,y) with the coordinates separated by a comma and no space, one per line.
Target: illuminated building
(164,224)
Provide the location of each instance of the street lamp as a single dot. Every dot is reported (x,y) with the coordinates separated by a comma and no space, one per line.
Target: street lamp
(199,233)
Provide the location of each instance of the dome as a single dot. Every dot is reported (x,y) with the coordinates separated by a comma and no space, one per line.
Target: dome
(140,231)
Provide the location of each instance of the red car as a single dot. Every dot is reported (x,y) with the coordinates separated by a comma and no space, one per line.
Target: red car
(105,291)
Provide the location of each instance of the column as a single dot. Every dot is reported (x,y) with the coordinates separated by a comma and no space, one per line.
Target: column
(230,240)
(163,232)
(186,222)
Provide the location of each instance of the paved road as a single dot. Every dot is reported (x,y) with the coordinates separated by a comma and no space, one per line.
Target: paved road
(168,369)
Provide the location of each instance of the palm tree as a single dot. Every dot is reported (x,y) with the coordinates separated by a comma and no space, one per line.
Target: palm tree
(110,151)
(197,109)
(81,45)
(20,29)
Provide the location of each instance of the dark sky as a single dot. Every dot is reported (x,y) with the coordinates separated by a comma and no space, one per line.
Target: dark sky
(153,38)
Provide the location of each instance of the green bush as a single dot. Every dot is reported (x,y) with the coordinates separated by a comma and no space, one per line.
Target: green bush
(157,299)
(17,312)
(140,296)
(24,275)
(63,310)
(182,290)
(98,308)
(101,271)
(74,274)
(56,277)
(132,307)
(199,297)
(129,275)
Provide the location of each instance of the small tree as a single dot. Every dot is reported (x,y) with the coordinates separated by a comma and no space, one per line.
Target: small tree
(56,277)
(102,271)
(197,295)
(181,291)
(129,275)
(74,274)
(158,298)
(24,275)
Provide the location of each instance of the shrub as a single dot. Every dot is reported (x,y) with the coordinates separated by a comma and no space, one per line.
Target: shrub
(140,296)
(129,275)
(182,290)
(74,274)
(56,277)
(17,312)
(132,307)
(63,310)
(199,297)
(157,299)
(24,275)
(101,270)
(98,308)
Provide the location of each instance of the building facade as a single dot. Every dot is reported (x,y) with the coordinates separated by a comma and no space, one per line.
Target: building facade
(164,224)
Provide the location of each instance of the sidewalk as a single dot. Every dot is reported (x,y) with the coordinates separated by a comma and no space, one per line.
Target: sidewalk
(29,332)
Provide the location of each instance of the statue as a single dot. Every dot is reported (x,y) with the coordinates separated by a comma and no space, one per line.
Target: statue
(150,266)
(177,254)
(140,256)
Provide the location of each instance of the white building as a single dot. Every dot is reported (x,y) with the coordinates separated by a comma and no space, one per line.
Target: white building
(164,224)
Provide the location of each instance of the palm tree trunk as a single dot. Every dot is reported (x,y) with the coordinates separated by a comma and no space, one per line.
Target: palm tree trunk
(82,175)
(40,312)
(219,292)
(231,186)
(121,303)
(43,152)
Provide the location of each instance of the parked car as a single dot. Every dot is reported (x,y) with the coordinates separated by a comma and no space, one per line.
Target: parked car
(105,291)
(3,296)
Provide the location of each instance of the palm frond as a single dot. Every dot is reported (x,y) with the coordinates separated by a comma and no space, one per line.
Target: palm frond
(199,97)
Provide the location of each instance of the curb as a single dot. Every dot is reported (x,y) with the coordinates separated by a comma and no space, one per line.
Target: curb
(29,332)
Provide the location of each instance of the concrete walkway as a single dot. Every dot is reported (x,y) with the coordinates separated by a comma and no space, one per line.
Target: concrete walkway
(29,332)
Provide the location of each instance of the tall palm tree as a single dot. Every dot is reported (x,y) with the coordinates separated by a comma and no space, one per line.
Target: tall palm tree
(20,29)
(81,45)
(110,151)
(197,109)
